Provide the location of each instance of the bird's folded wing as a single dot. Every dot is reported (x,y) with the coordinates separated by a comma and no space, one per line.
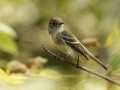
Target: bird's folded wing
(72,41)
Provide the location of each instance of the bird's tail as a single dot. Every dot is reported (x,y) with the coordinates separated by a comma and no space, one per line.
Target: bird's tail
(98,61)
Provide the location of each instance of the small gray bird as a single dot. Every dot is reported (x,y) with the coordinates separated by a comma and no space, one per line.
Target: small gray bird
(67,42)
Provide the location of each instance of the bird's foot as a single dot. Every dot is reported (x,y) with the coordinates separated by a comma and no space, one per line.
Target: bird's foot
(77,66)
(57,55)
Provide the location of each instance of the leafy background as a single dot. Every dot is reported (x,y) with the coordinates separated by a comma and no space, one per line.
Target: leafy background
(24,29)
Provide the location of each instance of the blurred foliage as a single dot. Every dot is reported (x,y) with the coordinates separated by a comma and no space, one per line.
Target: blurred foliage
(91,43)
(113,33)
(24,29)
(114,63)
(36,64)
(7,43)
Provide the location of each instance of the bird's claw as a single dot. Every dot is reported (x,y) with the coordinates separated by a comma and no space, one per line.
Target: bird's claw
(57,56)
(77,66)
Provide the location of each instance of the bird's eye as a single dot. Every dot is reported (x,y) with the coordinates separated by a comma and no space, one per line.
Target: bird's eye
(55,23)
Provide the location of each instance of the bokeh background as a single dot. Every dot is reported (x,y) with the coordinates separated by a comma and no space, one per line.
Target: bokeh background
(24,65)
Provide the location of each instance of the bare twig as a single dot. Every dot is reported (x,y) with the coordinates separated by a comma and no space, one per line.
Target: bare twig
(80,67)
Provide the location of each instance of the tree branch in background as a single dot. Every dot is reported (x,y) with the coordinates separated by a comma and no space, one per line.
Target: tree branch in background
(79,67)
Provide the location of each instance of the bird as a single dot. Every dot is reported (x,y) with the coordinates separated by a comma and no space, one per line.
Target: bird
(68,43)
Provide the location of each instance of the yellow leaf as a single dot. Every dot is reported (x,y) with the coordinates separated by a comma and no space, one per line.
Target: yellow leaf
(12,79)
(113,33)
(50,74)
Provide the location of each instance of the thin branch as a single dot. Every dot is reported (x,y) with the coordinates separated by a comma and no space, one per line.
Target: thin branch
(80,67)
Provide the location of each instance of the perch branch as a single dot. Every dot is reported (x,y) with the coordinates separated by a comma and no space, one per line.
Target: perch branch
(80,67)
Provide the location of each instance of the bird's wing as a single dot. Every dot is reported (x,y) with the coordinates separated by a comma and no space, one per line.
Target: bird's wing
(72,41)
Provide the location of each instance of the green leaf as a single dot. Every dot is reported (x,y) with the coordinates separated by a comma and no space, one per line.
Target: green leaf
(114,62)
(7,44)
(3,63)
(114,32)
(8,30)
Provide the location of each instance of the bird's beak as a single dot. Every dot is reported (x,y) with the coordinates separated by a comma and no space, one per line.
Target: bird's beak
(61,23)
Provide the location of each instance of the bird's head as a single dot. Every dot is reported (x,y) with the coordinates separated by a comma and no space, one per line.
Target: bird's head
(55,25)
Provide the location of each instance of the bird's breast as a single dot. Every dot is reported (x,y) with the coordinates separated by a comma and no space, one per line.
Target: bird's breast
(66,49)
(57,38)
(61,45)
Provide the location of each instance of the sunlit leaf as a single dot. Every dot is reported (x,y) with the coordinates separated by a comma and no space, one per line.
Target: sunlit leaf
(8,30)
(114,62)
(90,84)
(114,32)
(12,79)
(2,72)
(18,76)
(50,73)
(7,44)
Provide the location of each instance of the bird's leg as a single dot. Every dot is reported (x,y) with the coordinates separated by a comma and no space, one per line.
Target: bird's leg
(77,62)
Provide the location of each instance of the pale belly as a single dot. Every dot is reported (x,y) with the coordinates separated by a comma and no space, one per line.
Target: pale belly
(66,49)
